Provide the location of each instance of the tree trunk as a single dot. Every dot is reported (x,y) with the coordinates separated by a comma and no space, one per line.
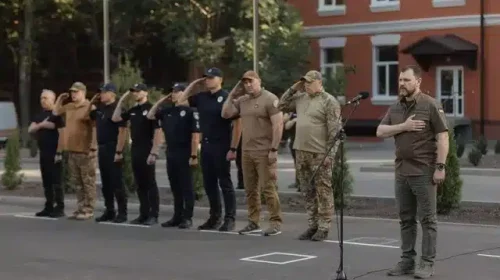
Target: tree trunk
(25,63)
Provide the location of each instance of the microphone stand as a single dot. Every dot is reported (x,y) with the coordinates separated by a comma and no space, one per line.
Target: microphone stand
(339,136)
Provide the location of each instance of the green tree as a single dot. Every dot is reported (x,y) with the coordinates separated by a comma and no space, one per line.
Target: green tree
(342,177)
(11,177)
(449,193)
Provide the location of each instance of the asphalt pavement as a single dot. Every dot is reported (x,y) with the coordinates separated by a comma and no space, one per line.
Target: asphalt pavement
(366,184)
(38,249)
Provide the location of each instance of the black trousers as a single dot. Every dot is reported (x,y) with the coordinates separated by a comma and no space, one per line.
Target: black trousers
(181,182)
(217,173)
(112,179)
(51,178)
(238,166)
(145,179)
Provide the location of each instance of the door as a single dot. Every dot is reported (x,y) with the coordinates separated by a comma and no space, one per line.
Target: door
(450,90)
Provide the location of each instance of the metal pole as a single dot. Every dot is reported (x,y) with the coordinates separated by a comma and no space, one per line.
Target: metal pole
(105,12)
(255,35)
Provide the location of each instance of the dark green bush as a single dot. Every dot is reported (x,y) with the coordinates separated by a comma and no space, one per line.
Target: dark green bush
(449,193)
(11,177)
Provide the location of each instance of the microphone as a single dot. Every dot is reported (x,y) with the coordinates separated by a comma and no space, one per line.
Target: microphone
(360,96)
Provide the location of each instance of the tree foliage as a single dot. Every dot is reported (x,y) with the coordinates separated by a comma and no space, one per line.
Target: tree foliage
(449,193)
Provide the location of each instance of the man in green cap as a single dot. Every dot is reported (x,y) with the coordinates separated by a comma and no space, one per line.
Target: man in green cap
(81,144)
(318,119)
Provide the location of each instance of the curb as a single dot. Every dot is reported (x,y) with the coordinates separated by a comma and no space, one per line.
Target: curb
(490,172)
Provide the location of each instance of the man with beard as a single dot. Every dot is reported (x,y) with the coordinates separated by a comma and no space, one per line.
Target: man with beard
(146,140)
(111,139)
(419,126)
(181,128)
(48,130)
(262,124)
(81,144)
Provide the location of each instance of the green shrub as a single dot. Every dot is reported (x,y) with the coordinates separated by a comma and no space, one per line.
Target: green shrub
(475,156)
(449,193)
(198,179)
(347,179)
(497,147)
(128,175)
(482,145)
(11,177)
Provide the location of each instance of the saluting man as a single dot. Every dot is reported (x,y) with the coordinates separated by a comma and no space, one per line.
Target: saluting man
(182,134)
(146,139)
(219,144)
(111,139)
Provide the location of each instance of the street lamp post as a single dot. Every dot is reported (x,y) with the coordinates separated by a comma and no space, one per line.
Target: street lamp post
(105,12)
(255,35)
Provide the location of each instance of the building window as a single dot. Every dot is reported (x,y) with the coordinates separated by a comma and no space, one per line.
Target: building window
(384,5)
(447,3)
(331,7)
(331,60)
(386,74)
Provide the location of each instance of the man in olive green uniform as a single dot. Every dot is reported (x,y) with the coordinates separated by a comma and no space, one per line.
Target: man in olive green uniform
(420,130)
(318,120)
(262,129)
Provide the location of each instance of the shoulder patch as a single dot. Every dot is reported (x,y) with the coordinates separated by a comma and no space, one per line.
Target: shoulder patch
(196,115)
(275,103)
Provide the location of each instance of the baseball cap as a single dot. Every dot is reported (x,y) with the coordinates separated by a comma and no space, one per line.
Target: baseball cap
(139,87)
(213,72)
(250,75)
(76,86)
(312,75)
(108,87)
(178,87)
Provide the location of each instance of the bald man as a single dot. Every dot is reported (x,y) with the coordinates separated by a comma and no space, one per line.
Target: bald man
(47,130)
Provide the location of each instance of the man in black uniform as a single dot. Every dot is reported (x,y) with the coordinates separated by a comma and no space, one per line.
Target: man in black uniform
(218,147)
(182,134)
(111,139)
(146,138)
(48,129)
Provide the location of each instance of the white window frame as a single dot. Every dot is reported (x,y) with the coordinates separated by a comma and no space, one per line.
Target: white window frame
(380,41)
(454,97)
(330,10)
(329,43)
(448,3)
(377,6)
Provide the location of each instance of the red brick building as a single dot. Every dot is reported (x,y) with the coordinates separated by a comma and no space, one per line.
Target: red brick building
(444,37)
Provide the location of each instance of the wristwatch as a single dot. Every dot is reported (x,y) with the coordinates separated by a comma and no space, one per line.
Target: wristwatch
(440,166)
(233,150)
(274,150)
(194,157)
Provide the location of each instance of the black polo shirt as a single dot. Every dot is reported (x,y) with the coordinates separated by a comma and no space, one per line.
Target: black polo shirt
(214,127)
(107,130)
(47,139)
(142,129)
(178,124)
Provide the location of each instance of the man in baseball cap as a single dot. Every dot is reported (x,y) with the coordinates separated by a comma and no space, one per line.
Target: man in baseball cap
(213,72)
(77,86)
(178,87)
(139,87)
(312,76)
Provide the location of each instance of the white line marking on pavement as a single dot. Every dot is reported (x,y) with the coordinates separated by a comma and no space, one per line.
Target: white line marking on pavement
(489,256)
(123,225)
(15,213)
(35,217)
(363,244)
(300,258)
(229,232)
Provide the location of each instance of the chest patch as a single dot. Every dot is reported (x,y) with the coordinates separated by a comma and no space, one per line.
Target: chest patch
(183,113)
(219,99)
(145,112)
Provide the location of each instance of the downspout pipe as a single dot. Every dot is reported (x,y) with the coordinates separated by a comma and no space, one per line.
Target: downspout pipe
(482,67)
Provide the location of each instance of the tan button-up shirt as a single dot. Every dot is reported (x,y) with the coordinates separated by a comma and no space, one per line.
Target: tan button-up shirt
(416,150)
(78,132)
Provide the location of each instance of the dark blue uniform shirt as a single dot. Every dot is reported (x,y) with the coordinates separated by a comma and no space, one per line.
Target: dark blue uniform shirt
(47,139)
(106,129)
(178,124)
(142,129)
(214,127)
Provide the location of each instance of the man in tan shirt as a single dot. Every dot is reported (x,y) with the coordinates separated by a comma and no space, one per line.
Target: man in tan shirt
(80,142)
(262,126)
(318,119)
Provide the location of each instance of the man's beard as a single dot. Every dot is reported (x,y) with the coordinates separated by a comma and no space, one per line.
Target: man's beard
(409,93)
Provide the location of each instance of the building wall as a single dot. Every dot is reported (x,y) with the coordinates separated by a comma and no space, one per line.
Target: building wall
(360,30)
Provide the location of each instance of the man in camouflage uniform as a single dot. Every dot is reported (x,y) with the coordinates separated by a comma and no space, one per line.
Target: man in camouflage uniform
(420,130)
(318,119)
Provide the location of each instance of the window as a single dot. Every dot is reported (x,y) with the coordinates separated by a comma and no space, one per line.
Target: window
(447,3)
(331,7)
(384,5)
(386,73)
(331,60)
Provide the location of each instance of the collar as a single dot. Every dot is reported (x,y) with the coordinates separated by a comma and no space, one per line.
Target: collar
(84,103)
(258,94)
(316,94)
(416,98)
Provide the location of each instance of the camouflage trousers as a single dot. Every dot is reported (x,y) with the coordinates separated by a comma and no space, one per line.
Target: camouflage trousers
(82,176)
(318,196)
